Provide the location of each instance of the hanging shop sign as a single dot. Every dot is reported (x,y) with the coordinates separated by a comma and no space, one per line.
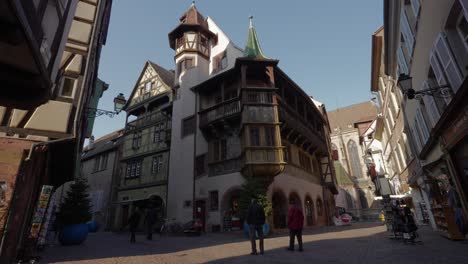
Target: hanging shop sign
(41,209)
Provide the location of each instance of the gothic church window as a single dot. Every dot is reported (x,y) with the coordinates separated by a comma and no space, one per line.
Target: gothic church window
(354,157)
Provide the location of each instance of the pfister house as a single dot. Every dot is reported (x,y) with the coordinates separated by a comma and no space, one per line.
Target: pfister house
(235,114)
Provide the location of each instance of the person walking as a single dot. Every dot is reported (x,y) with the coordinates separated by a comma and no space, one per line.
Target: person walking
(255,220)
(295,224)
(133,222)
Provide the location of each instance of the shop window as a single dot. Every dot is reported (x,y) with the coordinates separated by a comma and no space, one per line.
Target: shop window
(188,126)
(254,136)
(157,164)
(214,201)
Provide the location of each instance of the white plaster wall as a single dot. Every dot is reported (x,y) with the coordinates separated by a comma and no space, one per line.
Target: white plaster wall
(222,184)
(289,184)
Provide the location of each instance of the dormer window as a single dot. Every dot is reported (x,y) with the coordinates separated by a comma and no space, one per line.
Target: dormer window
(148,87)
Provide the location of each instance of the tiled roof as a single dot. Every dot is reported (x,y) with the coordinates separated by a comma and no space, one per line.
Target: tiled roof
(166,75)
(103,144)
(346,117)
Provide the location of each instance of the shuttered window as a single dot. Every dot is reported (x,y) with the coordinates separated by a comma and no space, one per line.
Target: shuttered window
(415,6)
(403,66)
(417,139)
(431,106)
(447,61)
(421,123)
(438,73)
(407,33)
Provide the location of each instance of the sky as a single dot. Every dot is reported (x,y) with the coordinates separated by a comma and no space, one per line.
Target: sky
(324,46)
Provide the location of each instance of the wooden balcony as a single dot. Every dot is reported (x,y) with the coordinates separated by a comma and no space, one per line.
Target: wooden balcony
(263,161)
(220,111)
(294,121)
(146,121)
(257,97)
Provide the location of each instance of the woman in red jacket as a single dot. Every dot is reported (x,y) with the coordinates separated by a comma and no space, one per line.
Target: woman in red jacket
(295,224)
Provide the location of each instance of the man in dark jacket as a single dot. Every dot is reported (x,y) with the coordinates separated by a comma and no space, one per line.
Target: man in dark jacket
(133,222)
(295,224)
(255,220)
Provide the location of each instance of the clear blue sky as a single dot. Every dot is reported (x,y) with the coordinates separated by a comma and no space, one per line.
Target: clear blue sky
(324,46)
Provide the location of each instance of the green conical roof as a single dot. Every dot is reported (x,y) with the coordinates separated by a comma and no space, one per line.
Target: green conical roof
(253,49)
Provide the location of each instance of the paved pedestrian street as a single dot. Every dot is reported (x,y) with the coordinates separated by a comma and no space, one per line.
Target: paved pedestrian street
(359,243)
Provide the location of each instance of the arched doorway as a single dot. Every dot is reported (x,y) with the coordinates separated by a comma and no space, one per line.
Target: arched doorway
(230,207)
(280,209)
(309,211)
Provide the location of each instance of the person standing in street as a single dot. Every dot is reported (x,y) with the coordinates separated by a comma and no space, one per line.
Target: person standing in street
(295,224)
(255,220)
(133,222)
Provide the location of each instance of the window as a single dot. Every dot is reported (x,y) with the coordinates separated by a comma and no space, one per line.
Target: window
(68,87)
(270,136)
(402,64)
(462,29)
(354,157)
(157,164)
(159,132)
(335,154)
(136,140)
(133,169)
(417,139)
(104,158)
(185,64)
(407,33)
(188,126)
(96,163)
(220,150)
(415,6)
(319,207)
(254,136)
(200,167)
(421,123)
(148,87)
(448,63)
(304,161)
(214,200)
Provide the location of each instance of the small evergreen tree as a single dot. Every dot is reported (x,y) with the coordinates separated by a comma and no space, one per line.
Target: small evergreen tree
(76,208)
(253,189)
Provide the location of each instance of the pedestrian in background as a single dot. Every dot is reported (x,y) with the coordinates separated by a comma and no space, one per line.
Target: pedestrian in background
(295,224)
(255,220)
(133,222)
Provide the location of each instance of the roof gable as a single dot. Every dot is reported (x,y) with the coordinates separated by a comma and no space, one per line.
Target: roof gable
(154,80)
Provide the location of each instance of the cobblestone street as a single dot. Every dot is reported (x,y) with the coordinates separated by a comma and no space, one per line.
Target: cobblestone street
(360,243)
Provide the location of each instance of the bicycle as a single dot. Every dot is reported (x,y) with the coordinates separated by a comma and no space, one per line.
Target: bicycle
(169,226)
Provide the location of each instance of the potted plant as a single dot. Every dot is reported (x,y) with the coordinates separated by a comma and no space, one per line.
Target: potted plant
(74,214)
(253,189)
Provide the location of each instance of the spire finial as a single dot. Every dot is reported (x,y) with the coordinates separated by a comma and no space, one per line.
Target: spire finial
(193,3)
(251,21)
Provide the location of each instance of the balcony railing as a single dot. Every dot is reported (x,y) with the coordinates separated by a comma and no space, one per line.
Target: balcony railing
(289,116)
(255,97)
(147,120)
(219,111)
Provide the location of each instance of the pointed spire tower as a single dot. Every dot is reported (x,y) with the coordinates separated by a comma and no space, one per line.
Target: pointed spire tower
(252,48)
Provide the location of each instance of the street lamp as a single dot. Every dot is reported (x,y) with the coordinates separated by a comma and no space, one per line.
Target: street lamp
(405,83)
(119,103)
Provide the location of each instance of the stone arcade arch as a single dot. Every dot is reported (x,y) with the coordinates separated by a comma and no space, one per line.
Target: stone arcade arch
(280,209)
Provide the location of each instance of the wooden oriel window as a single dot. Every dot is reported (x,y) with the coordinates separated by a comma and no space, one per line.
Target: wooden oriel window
(159,132)
(254,136)
(188,126)
(270,136)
